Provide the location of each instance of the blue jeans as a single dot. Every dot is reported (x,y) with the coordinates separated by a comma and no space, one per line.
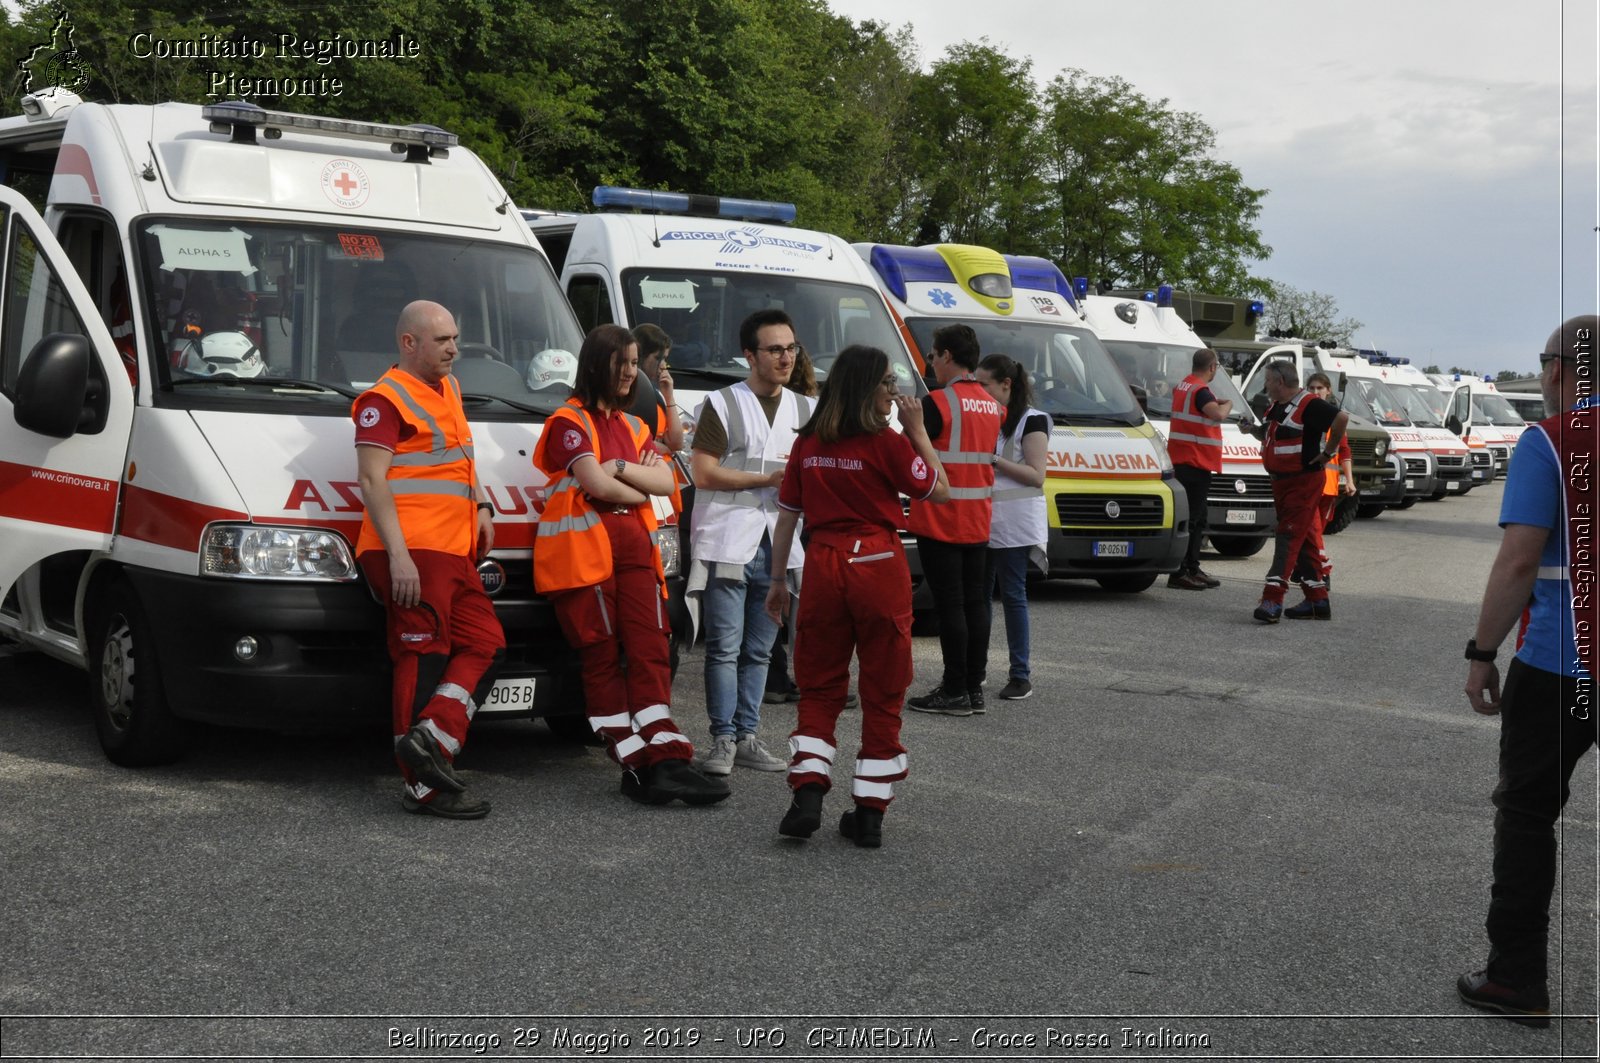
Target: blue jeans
(1008,566)
(739,637)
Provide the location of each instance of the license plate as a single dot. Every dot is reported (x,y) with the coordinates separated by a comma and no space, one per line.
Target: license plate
(1241,516)
(1412,484)
(1113,549)
(509,695)
(1477,474)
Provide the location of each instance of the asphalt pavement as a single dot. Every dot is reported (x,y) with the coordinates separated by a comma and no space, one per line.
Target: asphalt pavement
(1201,837)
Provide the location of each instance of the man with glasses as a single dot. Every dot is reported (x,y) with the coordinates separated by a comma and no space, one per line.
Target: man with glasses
(742,440)
(1541,583)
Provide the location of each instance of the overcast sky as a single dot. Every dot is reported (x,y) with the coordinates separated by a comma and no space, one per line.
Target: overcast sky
(1414,150)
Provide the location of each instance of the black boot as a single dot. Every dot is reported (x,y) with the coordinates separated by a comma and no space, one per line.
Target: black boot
(805,813)
(863,825)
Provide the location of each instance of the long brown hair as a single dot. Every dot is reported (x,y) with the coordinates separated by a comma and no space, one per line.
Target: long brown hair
(1001,367)
(848,404)
(596,384)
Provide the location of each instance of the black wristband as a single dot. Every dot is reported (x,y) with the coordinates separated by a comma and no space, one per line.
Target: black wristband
(1475,654)
(486,505)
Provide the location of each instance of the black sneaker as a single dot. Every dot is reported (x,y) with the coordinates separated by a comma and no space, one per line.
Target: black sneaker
(1529,1005)
(864,826)
(447,805)
(1185,581)
(805,812)
(975,699)
(422,755)
(1268,612)
(1016,690)
(636,788)
(938,700)
(1205,577)
(1308,610)
(677,779)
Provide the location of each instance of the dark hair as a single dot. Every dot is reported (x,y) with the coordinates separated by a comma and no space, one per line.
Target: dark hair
(652,339)
(803,379)
(846,406)
(1204,358)
(1319,378)
(758,321)
(961,342)
(1002,367)
(1285,371)
(596,383)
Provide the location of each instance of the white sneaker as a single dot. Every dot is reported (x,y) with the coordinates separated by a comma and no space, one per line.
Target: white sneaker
(752,754)
(719,759)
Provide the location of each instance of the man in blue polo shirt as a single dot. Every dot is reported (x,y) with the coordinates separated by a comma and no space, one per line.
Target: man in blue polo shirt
(1544,577)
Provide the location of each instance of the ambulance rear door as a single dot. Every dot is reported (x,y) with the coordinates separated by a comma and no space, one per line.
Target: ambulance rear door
(66,411)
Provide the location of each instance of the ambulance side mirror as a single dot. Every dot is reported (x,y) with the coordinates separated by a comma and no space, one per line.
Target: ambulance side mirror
(57,395)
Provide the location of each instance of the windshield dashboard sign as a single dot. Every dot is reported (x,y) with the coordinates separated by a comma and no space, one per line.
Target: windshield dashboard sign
(737,241)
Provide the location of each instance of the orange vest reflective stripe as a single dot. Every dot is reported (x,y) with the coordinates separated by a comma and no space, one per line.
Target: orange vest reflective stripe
(671,459)
(965,445)
(572,548)
(1193,439)
(432,476)
(1284,448)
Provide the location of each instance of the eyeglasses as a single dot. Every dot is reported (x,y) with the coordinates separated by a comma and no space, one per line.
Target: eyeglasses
(1545,358)
(891,384)
(776,351)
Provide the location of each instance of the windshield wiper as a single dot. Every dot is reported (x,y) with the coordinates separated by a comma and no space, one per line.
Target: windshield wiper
(275,382)
(731,372)
(1091,418)
(524,407)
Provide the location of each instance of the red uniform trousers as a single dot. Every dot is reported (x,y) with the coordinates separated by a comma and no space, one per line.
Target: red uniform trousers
(855,597)
(444,650)
(1298,552)
(620,630)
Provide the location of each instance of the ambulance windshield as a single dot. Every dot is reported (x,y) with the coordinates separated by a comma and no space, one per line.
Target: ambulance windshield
(1374,401)
(1495,410)
(1161,367)
(1071,373)
(1417,406)
(310,312)
(1433,398)
(701,311)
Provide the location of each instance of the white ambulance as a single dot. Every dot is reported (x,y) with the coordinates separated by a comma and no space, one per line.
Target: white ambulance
(1482,416)
(1154,349)
(183,332)
(1413,384)
(1116,515)
(1435,461)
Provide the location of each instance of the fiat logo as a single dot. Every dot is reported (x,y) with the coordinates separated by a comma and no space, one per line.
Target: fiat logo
(1240,486)
(492,574)
(1113,510)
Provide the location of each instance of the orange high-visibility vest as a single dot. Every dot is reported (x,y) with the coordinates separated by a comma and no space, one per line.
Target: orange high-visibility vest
(572,548)
(670,458)
(1194,439)
(1335,467)
(432,476)
(972,420)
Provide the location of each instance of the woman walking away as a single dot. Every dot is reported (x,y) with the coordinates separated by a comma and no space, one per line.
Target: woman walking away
(596,559)
(845,475)
(1019,527)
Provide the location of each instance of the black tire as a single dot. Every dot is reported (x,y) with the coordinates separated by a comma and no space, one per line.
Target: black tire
(1438,496)
(131,716)
(1406,503)
(1240,546)
(1343,514)
(1132,583)
(1368,510)
(572,727)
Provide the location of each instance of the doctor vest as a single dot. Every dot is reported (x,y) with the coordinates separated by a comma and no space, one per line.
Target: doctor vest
(1283,452)
(1194,438)
(728,525)
(965,446)
(572,548)
(432,476)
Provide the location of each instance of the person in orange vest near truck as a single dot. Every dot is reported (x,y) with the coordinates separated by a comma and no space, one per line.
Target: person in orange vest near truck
(595,558)
(963,420)
(424,527)
(1195,446)
(1339,477)
(1294,454)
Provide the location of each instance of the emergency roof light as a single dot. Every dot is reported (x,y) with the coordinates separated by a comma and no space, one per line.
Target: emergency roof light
(417,142)
(1256,307)
(1164,295)
(899,266)
(1487,379)
(611,197)
(1149,296)
(1128,312)
(1080,285)
(48,103)
(1040,274)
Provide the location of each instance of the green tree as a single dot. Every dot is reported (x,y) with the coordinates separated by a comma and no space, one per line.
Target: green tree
(1309,315)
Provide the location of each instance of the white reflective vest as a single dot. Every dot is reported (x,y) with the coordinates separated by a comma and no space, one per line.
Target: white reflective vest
(1019,517)
(728,525)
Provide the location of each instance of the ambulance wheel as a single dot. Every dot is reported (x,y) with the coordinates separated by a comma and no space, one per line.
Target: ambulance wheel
(131,716)
(1438,495)
(1406,503)
(1239,545)
(1343,515)
(1129,584)
(1368,510)
(572,727)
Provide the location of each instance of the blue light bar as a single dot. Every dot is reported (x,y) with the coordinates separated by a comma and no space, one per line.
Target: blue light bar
(899,265)
(1080,285)
(1258,307)
(1164,295)
(612,197)
(1040,274)
(1149,297)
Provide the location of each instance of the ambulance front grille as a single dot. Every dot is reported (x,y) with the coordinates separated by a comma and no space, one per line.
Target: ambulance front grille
(1118,513)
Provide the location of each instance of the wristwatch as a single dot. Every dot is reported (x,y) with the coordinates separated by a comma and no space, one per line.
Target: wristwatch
(1475,654)
(621,465)
(486,505)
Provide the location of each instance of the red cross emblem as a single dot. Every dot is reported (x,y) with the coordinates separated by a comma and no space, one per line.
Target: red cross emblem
(345,183)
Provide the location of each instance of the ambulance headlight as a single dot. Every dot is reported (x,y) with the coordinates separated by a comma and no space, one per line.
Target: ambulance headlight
(1167,471)
(667,544)
(254,551)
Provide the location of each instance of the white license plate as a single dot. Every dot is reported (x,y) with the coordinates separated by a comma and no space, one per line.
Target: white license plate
(509,695)
(1412,484)
(1113,549)
(1477,474)
(1241,516)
